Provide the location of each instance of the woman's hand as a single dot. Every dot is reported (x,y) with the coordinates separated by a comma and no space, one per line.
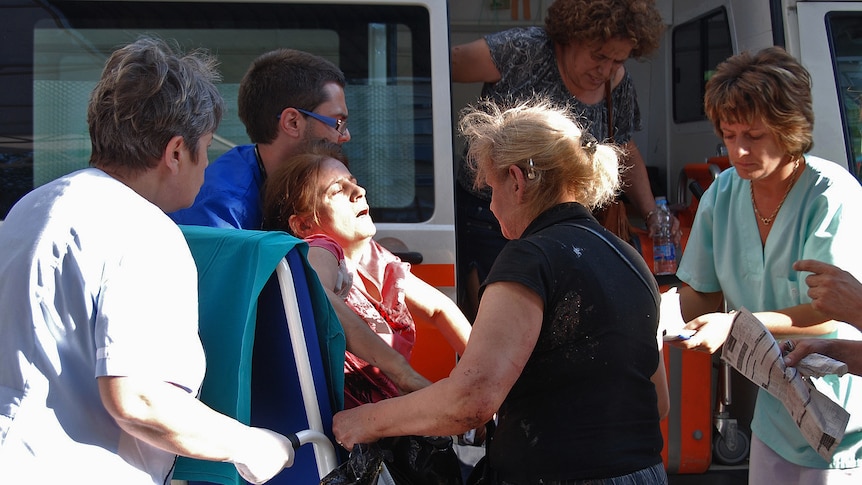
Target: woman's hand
(847,351)
(711,332)
(801,348)
(264,455)
(675,230)
(349,427)
(834,292)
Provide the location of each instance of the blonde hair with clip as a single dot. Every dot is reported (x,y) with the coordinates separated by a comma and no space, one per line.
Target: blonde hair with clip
(556,155)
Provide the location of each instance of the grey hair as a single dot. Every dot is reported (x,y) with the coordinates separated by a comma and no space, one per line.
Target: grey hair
(147,94)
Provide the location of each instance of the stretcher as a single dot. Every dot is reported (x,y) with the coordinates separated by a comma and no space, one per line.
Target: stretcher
(275,350)
(699,429)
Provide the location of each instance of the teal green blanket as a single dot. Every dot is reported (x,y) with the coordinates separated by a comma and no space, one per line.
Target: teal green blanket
(233,266)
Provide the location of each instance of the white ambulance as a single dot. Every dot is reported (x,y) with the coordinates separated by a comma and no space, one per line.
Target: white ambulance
(402,105)
(395,55)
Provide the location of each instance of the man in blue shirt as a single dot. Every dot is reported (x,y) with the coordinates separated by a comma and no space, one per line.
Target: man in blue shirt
(288,101)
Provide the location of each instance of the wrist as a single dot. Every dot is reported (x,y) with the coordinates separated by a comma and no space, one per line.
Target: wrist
(399,370)
(241,441)
(651,220)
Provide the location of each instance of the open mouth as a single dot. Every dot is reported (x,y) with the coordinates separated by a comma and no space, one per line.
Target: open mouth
(596,80)
(361,213)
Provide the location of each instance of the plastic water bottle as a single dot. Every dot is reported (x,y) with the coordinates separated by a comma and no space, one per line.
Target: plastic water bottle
(663,247)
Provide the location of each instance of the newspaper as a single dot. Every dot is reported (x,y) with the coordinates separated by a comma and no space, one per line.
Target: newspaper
(751,350)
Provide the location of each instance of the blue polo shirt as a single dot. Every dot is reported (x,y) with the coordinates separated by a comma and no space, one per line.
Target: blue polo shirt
(230,195)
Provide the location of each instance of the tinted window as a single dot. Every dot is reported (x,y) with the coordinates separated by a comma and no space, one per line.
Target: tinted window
(698,47)
(845,37)
(53,52)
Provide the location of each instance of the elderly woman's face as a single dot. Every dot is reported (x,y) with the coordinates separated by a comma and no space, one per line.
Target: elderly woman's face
(589,65)
(753,149)
(343,210)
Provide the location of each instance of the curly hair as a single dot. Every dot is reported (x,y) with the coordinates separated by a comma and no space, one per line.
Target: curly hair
(770,86)
(549,145)
(590,20)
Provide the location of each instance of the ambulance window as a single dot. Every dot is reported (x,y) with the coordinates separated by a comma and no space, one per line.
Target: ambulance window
(57,49)
(845,37)
(698,47)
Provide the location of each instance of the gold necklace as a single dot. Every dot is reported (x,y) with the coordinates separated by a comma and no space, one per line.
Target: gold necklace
(768,220)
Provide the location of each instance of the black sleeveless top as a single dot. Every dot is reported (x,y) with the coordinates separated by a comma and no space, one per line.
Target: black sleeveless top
(584,405)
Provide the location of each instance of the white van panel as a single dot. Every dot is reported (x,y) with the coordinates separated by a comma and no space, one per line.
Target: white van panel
(816,56)
(394,53)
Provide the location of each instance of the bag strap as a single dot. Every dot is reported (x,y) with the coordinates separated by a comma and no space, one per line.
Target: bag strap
(610,104)
(616,250)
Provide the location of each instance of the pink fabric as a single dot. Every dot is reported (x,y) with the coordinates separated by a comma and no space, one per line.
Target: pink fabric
(389,317)
(327,243)
(343,279)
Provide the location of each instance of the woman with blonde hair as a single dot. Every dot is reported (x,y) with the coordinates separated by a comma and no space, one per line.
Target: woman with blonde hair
(564,364)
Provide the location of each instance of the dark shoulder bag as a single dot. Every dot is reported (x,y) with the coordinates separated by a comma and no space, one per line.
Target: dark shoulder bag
(613,216)
(422,460)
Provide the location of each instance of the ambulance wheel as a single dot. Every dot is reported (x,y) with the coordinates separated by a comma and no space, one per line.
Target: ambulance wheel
(724,455)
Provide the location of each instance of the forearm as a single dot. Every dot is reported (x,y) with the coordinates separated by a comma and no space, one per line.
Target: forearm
(171,419)
(450,406)
(847,351)
(445,410)
(694,303)
(799,320)
(453,326)
(364,343)
(503,338)
(426,302)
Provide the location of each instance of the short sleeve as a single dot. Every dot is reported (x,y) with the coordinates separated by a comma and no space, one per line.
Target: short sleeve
(147,312)
(521,262)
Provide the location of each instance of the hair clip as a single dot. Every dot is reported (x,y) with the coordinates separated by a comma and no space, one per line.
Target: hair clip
(589,143)
(531,172)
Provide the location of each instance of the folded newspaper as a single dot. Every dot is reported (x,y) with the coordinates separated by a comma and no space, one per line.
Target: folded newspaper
(751,350)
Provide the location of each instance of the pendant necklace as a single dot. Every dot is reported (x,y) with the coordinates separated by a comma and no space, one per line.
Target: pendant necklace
(768,220)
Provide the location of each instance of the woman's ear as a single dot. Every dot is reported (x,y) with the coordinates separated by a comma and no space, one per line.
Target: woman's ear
(300,225)
(173,152)
(519,181)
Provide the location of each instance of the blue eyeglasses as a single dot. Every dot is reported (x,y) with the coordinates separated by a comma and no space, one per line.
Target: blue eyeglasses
(338,125)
